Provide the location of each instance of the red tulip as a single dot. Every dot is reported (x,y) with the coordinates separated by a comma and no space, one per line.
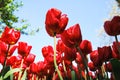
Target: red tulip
(94,56)
(30,59)
(48,54)
(70,54)
(55,22)
(47,50)
(10,36)
(11,50)
(34,68)
(23,49)
(108,67)
(72,36)
(11,60)
(115,47)
(79,59)
(105,53)
(112,27)
(86,46)
(3,48)
(91,66)
(60,46)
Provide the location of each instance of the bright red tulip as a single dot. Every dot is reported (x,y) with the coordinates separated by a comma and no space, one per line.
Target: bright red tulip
(86,46)
(72,36)
(23,49)
(55,22)
(34,68)
(3,48)
(79,59)
(11,50)
(60,46)
(11,60)
(10,36)
(46,50)
(112,27)
(29,59)
(48,54)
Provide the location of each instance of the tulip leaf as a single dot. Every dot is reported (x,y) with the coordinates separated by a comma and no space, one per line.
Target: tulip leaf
(24,75)
(10,72)
(116,68)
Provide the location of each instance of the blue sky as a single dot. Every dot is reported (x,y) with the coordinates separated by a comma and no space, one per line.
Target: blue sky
(90,14)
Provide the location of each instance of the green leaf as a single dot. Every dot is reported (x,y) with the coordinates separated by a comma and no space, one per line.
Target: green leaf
(10,72)
(73,74)
(116,68)
(24,75)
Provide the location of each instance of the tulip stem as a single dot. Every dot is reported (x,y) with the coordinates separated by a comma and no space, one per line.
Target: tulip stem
(118,46)
(20,73)
(84,62)
(55,63)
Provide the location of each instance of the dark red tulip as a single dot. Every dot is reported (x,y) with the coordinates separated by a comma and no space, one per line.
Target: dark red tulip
(94,56)
(108,67)
(23,49)
(55,22)
(72,36)
(10,36)
(115,47)
(112,27)
(86,46)
(70,54)
(105,53)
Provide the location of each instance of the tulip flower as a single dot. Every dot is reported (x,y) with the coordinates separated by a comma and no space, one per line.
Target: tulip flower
(10,36)
(23,49)
(86,46)
(72,36)
(105,53)
(94,56)
(30,59)
(55,22)
(112,27)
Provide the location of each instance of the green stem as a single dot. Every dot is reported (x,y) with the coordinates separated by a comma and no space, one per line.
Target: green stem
(84,62)
(55,63)
(80,71)
(118,46)
(20,73)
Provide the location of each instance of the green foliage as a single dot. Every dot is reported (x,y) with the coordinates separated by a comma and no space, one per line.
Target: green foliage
(10,72)
(116,68)
(7,9)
